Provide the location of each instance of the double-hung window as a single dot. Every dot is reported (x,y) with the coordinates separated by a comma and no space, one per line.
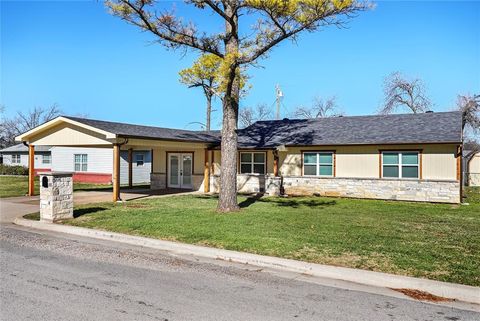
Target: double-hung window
(140,159)
(252,162)
(318,164)
(16,159)
(81,162)
(46,159)
(400,165)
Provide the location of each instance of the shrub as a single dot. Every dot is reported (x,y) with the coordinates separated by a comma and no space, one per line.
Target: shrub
(13,170)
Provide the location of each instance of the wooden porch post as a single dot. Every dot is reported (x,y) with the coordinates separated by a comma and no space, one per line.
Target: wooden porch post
(116,172)
(31,170)
(275,163)
(206,173)
(130,168)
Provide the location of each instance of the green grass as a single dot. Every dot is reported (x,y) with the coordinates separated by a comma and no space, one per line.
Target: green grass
(11,186)
(436,241)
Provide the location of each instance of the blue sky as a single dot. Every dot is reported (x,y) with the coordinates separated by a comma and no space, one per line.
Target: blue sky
(75,54)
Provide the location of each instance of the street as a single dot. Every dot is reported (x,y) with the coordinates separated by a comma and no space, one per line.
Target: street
(59,277)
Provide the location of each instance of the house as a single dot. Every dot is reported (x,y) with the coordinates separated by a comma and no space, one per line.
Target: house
(414,157)
(472,168)
(17,155)
(88,164)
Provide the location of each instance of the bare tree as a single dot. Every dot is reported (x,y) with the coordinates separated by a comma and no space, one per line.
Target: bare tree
(248,115)
(243,32)
(320,109)
(24,121)
(472,146)
(401,92)
(469,105)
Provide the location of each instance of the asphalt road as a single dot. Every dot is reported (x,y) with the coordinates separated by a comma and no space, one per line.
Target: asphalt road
(53,277)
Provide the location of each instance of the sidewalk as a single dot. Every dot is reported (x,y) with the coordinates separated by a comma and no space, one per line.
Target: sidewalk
(451,291)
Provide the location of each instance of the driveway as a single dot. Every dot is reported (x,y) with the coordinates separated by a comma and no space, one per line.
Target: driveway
(13,207)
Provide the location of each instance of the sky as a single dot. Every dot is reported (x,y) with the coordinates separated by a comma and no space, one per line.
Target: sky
(75,54)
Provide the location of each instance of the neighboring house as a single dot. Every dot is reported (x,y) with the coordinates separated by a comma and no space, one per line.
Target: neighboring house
(415,157)
(17,155)
(89,165)
(472,168)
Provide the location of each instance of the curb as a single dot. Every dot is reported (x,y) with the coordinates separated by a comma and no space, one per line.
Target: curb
(452,291)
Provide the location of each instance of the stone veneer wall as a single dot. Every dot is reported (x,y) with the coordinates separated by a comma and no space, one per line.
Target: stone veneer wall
(387,189)
(56,197)
(158,181)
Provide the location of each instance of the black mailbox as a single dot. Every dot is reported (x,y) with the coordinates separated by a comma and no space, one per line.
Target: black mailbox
(45,182)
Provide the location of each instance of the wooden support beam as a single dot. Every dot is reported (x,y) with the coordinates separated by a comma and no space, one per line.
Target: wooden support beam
(206,173)
(31,170)
(116,172)
(275,163)
(130,167)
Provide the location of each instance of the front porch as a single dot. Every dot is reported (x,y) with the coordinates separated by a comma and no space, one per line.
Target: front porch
(179,160)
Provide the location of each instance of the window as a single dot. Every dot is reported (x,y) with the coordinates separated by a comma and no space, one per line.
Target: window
(318,164)
(252,163)
(81,161)
(46,159)
(140,159)
(16,159)
(400,165)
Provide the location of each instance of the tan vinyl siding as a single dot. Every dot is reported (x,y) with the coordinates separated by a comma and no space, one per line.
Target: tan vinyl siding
(217,160)
(160,158)
(474,170)
(438,161)
(68,135)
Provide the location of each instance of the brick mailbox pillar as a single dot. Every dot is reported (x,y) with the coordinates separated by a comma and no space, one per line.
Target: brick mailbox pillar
(56,196)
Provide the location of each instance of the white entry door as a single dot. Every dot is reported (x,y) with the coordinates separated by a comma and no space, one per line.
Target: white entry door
(180,170)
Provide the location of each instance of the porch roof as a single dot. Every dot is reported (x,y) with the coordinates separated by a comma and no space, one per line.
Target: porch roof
(150,132)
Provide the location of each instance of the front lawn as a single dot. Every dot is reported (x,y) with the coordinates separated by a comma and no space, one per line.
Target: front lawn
(434,241)
(11,186)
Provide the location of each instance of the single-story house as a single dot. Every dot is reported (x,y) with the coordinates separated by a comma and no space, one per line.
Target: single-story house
(472,168)
(88,164)
(17,155)
(413,157)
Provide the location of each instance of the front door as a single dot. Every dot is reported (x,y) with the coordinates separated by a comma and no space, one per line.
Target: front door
(180,170)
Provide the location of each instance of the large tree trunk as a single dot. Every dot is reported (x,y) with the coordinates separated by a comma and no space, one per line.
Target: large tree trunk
(209,112)
(227,201)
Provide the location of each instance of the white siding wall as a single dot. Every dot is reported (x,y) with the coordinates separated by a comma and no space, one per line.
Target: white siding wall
(7,160)
(141,174)
(100,160)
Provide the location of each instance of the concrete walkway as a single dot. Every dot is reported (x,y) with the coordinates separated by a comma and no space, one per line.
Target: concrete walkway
(13,207)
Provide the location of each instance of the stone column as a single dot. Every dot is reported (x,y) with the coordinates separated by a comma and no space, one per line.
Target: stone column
(56,196)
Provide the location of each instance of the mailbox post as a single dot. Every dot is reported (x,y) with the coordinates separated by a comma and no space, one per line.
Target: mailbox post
(56,196)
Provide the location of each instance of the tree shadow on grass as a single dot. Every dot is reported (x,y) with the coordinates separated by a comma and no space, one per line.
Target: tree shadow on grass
(286,202)
(89,210)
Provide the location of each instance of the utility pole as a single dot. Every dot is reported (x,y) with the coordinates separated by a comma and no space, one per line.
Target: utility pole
(278,98)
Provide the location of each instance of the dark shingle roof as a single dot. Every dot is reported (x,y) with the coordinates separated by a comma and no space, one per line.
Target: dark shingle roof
(20,148)
(443,127)
(140,131)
